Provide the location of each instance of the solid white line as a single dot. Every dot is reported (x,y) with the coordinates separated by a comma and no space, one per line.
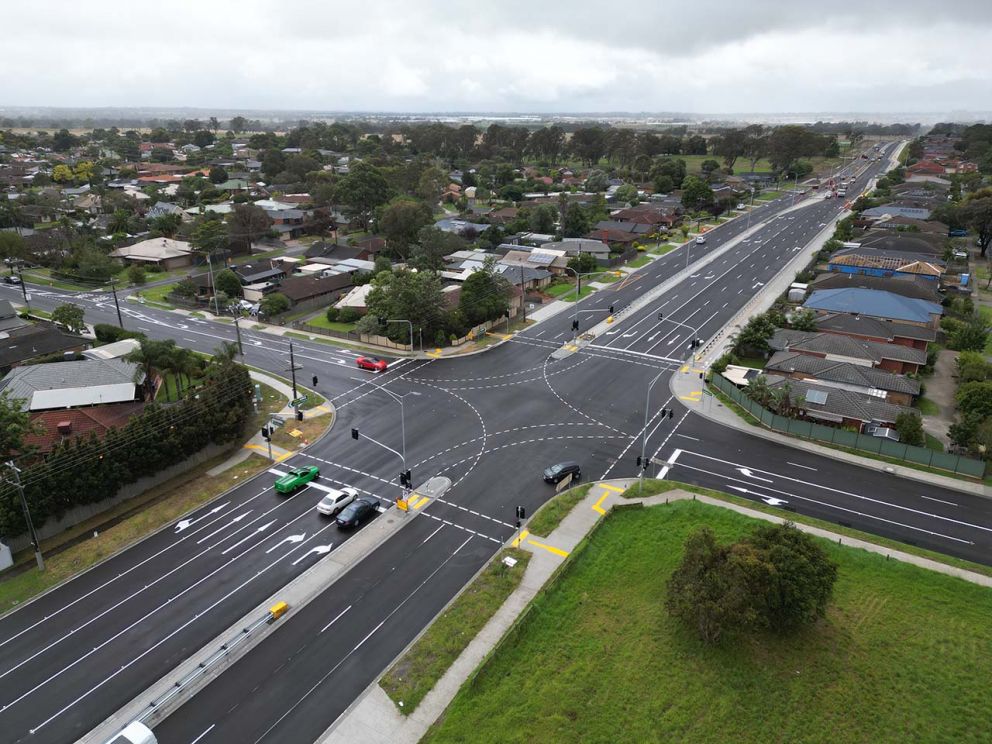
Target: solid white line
(804,467)
(370,634)
(212,727)
(686,436)
(931,498)
(335,619)
(434,533)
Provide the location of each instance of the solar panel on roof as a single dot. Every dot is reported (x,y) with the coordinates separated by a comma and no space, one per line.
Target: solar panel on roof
(819,397)
(540,259)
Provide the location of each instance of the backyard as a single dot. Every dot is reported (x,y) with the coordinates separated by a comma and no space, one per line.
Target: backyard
(901,655)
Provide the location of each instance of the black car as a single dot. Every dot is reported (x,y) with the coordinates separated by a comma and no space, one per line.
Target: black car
(560,471)
(12,279)
(358,511)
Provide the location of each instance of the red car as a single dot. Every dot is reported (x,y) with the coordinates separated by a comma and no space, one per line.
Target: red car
(373,364)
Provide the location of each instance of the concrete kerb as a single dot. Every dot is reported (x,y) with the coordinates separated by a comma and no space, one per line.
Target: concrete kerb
(373,717)
(297,594)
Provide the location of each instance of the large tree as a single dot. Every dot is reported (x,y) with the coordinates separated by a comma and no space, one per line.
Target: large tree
(228,283)
(70,316)
(247,224)
(576,222)
(589,144)
(976,212)
(401,221)
(15,425)
(407,295)
(485,294)
(432,246)
(730,145)
(362,190)
(696,193)
(209,235)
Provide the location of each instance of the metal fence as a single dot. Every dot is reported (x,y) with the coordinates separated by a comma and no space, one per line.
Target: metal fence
(844,438)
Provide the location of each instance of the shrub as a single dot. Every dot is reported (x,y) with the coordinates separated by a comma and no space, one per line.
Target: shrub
(331,314)
(348,315)
(136,274)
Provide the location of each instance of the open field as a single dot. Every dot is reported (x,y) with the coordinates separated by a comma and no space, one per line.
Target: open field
(901,656)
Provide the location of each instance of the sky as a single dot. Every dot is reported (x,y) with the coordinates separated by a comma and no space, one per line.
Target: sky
(541,56)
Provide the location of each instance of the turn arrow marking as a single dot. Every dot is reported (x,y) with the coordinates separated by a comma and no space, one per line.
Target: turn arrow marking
(183,524)
(748,474)
(770,500)
(290,539)
(320,549)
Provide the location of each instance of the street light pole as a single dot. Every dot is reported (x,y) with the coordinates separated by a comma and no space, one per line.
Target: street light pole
(27,515)
(237,330)
(292,367)
(24,291)
(113,288)
(644,432)
(213,287)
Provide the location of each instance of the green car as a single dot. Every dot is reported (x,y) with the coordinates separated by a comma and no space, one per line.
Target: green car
(297,478)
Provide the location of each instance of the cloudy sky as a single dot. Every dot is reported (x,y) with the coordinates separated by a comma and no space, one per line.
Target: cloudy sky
(506,55)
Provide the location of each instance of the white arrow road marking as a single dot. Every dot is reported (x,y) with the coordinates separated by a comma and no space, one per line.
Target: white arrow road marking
(280,473)
(770,500)
(183,524)
(257,343)
(748,474)
(676,338)
(320,549)
(289,539)
(758,284)
(221,529)
(249,536)
(628,335)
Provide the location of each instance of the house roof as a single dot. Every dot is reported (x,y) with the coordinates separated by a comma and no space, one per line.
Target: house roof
(73,384)
(905,242)
(575,246)
(95,419)
(299,288)
(918,213)
(250,274)
(9,319)
(20,344)
(612,235)
(154,249)
(873,302)
(845,373)
(905,263)
(905,285)
(835,344)
(839,403)
(862,325)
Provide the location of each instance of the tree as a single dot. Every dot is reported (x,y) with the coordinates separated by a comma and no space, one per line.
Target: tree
(910,429)
(709,167)
(238,124)
(401,222)
(15,425)
(542,219)
(407,295)
(227,282)
(626,194)
(967,336)
(803,320)
(69,316)
(589,144)
(977,215)
(273,304)
(209,236)
(576,222)
(696,193)
(431,183)
(119,221)
(596,181)
(753,337)
(151,356)
(218,174)
(202,138)
(730,145)
(247,224)
(668,174)
(11,245)
(711,589)
(583,263)
(362,190)
(62,173)
(214,124)
(166,224)
(694,145)
(433,244)
(136,274)
(754,144)
(485,294)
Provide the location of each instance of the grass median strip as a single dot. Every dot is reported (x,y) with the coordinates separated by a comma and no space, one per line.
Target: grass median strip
(426,661)
(549,516)
(156,507)
(901,655)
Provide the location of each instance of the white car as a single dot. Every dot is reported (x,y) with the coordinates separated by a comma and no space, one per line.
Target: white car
(741,206)
(336,500)
(700,240)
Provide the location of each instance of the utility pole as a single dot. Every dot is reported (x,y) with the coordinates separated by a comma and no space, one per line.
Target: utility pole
(27,515)
(113,288)
(292,367)
(523,297)
(237,330)
(24,291)
(213,288)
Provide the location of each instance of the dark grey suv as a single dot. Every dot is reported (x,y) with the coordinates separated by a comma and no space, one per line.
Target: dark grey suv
(558,472)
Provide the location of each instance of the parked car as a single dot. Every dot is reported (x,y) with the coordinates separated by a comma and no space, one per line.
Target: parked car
(297,478)
(12,279)
(700,239)
(741,205)
(372,364)
(360,510)
(559,471)
(336,500)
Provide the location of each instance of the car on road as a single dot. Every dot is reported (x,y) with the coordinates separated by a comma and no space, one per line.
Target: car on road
(741,205)
(561,470)
(12,279)
(360,510)
(297,478)
(700,240)
(371,363)
(335,500)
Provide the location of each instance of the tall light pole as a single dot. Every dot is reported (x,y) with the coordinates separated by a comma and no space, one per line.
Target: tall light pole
(113,288)
(402,453)
(750,207)
(644,432)
(16,482)
(409,323)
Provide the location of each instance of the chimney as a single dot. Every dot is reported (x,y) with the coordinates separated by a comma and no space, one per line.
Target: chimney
(64,428)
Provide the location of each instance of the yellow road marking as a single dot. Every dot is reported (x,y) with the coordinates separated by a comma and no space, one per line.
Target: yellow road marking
(436,353)
(692,397)
(519,539)
(549,548)
(597,506)
(420,502)
(503,336)
(260,448)
(609,487)
(571,347)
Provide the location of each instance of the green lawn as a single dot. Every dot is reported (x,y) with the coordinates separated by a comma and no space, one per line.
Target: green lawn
(753,362)
(549,516)
(933,443)
(157,294)
(904,654)
(639,262)
(321,321)
(928,407)
(661,250)
(413,676)
(566,291)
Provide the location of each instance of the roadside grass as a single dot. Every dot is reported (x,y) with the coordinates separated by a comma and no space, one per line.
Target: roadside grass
(566,291)
(309,429)
(158,293)
(928,407)
(902,654)
(321,321)
(639,262)
(430,656)
(314,398)
(661,250)
(549,516)
(141,516)
(39,313)
(933,443)
(607,277)
(654,486)
(44,277)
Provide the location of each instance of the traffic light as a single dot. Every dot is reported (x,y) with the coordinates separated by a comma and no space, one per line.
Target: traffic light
(575,324)
(611,309)
(663,412)
(354,433)
(661,316)
(406,479)
(671,413)
(299,415)
(639,458)
(266,433)
(521,512)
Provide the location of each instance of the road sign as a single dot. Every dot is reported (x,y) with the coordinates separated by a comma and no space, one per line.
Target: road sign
(299,401)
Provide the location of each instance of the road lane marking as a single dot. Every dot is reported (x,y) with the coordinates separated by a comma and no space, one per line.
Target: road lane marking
(340,614)
(519,539)
(804,467)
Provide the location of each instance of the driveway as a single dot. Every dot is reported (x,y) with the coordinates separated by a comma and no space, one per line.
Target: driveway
(940,389)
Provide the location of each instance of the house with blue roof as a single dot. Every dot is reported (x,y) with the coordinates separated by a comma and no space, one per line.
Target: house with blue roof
(875,304)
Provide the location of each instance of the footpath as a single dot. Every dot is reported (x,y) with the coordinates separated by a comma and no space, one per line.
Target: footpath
(375,719)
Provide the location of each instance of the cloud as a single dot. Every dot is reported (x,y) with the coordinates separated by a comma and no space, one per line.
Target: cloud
(707,57)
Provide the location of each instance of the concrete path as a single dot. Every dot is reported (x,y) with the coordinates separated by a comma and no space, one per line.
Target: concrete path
(941,387)
(375,719)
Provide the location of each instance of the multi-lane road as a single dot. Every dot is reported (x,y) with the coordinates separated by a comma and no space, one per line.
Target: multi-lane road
(489,422)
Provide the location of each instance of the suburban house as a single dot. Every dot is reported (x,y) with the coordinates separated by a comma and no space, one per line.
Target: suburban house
(162,253)
(909,285)
(836,347)
(553,261)
(634,228)
(872,329)
(921,243)
(875,304)
(288,222)
(73,384)
(837,406)
(23,343)
(162,208)
(613,236)
(893,210)
(355,298)
(886,263)
(857,378)
(257,273)
(310,291)
(574,246)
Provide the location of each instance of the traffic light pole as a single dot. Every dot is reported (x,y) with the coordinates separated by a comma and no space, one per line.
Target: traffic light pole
(292,367)
(644,432)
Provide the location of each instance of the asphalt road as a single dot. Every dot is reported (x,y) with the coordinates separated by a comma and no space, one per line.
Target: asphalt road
(491,423)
